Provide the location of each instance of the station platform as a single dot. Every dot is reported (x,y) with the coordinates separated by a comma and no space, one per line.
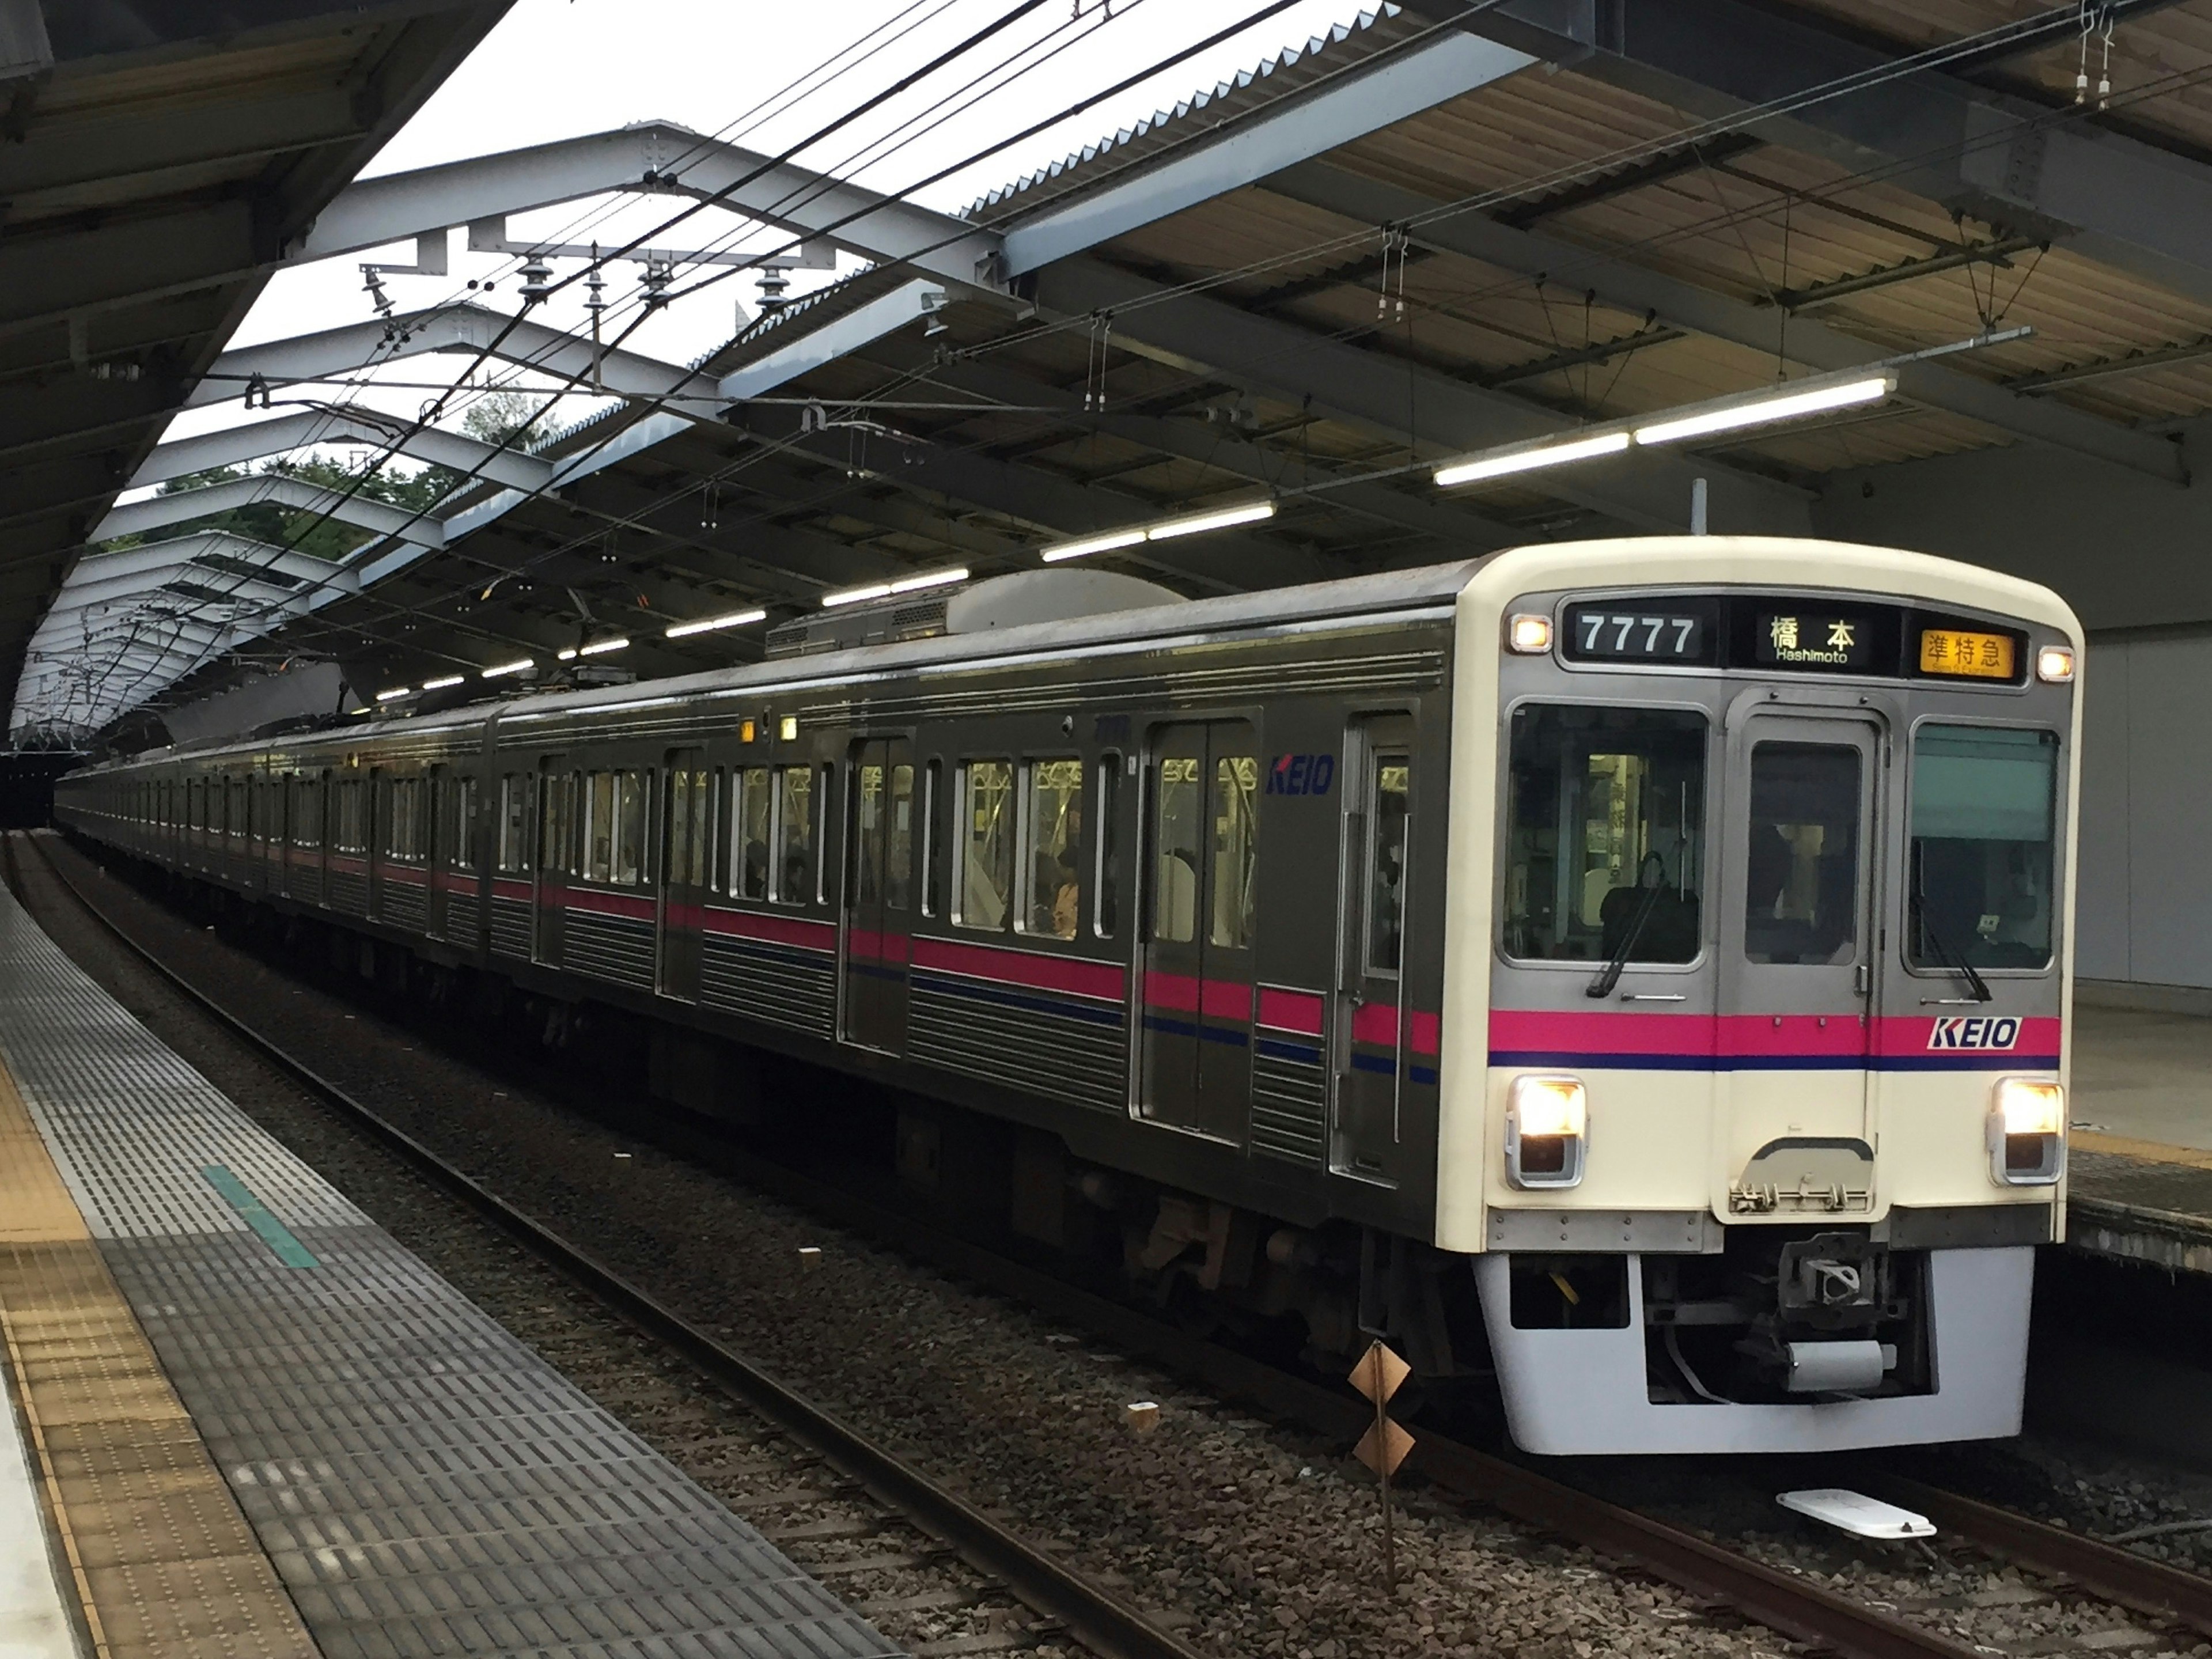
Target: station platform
(242,1421)
(2140,1181)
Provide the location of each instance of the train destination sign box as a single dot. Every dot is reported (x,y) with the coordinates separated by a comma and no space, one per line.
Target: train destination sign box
(1793,634)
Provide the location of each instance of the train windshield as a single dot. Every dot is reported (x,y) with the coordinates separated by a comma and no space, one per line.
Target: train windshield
(1605,833)
(1980,884)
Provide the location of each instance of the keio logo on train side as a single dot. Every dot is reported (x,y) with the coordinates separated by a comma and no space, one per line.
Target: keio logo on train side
(1301,775)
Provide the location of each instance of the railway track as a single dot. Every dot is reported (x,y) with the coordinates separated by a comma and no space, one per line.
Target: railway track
(1786,1602)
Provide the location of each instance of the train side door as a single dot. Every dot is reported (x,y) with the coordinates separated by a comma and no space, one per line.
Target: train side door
(556,791)
(1195,1071)
(1796,955)
(1370,1022)
(878,893)
(687,834)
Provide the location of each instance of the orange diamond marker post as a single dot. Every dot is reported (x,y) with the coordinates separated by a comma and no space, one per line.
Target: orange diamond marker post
(1384,1446)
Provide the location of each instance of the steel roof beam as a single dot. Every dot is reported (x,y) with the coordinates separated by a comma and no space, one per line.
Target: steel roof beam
(356,347)
(1684,305)
(1997,156)
(208,544)
(182,506)
(1055,506)
(1389,88)
(351,427)
(1199,334)
(656,156)
(1185,439)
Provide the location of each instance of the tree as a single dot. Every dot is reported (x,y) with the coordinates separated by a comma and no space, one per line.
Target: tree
(503,417)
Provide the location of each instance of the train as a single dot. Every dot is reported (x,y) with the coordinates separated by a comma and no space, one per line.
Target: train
(1632,973)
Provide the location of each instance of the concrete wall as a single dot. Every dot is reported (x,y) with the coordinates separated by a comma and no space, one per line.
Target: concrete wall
(2144,910)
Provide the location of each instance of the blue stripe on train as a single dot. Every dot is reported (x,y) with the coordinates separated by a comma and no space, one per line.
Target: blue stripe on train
(1975,1062)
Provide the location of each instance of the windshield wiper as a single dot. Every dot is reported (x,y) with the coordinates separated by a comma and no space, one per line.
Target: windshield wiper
(1609,976)
(1951,958)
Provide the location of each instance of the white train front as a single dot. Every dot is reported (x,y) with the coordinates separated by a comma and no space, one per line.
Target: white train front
(1644,963)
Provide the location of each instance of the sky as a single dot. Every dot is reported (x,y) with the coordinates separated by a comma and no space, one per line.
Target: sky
(767,77)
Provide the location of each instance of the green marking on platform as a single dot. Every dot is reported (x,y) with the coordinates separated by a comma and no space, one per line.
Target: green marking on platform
(251,1210)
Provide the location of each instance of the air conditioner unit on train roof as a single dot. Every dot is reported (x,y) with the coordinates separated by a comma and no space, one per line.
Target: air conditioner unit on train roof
(1016,600)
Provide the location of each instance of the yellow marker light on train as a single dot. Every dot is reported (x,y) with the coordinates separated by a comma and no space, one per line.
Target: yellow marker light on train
(1530,635)
(788,728)
(747,731)
(1547,1127)
(2028,1132)
(2054,663)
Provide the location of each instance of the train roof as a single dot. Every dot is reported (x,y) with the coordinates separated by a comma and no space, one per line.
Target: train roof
(1429,587)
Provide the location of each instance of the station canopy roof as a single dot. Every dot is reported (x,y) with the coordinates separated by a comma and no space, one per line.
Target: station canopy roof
(1444,229)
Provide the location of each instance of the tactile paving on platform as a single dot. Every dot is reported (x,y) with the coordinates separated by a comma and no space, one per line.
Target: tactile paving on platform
(422,1483)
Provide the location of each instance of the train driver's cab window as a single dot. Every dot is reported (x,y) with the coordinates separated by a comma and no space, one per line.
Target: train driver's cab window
(984,844)
(1802,866)
(1053,825)
(792,870)
(1979,887)
(1604,844)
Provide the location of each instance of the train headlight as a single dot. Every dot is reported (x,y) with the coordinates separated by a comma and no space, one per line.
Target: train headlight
(2054,663)
(1546,1128)
(1530,635)
(2028,1132)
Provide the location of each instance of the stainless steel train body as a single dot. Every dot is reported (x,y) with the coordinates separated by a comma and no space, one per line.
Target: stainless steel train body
(1671,935)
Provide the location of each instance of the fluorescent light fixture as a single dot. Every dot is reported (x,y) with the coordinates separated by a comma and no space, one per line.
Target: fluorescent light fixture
(886,590)
(1167,530)
(1101,544)
(1783,406)
(395,691)
(566,653)
(515,668)
(442,682)
(1529,460)
(361,711)
(600,647)
(1251,513)
(707,624)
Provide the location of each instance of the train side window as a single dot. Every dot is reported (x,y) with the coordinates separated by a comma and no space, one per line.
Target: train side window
(792,871)
(1051,834)
(600,826)
(514,824)
(1180,822)
(932,883)
(749,842)
(1389,802)
(718,855)
(985,844)
(464,841)
(1106,875)
(1604,804)
(1235,849)
(898,845)
(557,806)
(630,828)
(702,818)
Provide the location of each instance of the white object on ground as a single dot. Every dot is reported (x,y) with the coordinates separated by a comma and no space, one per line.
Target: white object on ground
(1857,1513)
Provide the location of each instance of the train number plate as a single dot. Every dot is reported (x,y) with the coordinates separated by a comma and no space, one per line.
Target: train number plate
(1678,636)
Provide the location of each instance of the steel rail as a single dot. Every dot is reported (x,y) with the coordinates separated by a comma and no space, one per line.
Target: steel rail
(1782,1601)
(1087,1613)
